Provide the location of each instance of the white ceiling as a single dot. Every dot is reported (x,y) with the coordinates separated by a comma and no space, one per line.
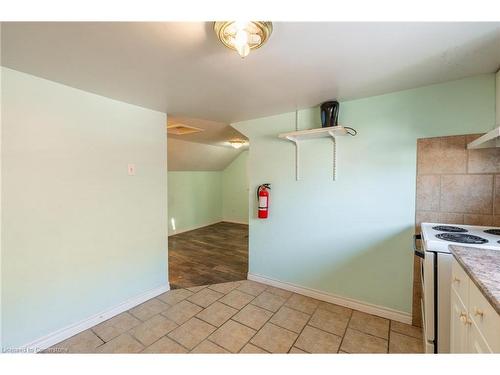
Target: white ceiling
(182,69)
(191,156)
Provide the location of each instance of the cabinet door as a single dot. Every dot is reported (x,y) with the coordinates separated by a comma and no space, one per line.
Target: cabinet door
(476,342)
(458,325)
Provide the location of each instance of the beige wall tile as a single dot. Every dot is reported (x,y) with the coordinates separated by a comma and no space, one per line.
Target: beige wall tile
(441,155)
(232,336)
(428,192)
(314,340)
(475,219)
(497,195)
(450,218)
(484,160)
(467,194)
(496,221)
(274,339)
(425,217)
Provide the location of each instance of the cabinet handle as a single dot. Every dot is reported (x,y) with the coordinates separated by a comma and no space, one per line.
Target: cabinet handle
(456,280)
(478,312)
(463,318)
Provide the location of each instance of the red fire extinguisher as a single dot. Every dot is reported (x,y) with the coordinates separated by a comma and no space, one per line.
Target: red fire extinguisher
(263,198)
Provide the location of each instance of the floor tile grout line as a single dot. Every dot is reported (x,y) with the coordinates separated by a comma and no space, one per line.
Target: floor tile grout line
(305,325)
(345,331)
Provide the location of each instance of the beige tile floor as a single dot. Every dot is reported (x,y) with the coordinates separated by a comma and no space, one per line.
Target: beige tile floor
(243,317)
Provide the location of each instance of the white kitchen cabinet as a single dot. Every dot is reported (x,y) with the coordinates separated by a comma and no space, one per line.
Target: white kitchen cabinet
(474,323)
(458,325)
(475,340)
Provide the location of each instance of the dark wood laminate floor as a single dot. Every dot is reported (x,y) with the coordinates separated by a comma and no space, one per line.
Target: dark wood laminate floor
(213,254)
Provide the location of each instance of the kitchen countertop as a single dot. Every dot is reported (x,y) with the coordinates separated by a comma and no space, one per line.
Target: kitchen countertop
(483,267)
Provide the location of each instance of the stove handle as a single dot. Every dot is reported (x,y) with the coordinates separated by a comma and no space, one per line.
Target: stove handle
(418,252)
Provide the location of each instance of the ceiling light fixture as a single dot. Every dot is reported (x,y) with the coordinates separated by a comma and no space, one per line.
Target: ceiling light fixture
(243,36)
(237,144)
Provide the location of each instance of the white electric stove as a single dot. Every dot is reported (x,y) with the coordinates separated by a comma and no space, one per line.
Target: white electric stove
(436,274)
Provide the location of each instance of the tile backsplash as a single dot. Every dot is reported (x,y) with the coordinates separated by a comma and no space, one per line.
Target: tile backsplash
(454,186)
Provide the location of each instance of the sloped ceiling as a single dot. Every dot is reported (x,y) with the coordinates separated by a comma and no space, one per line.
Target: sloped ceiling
(195,156)
(214,133)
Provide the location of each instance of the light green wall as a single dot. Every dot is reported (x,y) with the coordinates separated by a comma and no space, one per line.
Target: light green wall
(200,198)
(194,199)
(235,190)
(352,237)
(79,235)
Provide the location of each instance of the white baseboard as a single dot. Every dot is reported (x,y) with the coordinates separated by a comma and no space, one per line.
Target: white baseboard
(64,333)
(235,221)
(179,231)
(369,308)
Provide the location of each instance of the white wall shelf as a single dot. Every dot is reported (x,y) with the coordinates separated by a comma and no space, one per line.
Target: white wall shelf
(303,135)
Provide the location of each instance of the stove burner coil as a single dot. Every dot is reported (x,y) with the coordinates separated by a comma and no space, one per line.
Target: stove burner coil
(462,238)
(449,228)
(496,232)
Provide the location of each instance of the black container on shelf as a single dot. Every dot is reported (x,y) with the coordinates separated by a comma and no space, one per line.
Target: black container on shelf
(329,113)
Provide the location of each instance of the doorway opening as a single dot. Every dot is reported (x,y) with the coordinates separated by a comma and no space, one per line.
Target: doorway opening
(208,200)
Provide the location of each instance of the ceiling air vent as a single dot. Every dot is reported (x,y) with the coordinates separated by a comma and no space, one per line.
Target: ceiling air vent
(181,129)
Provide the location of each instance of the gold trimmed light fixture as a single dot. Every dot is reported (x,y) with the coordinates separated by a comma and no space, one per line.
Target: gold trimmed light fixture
(243,36)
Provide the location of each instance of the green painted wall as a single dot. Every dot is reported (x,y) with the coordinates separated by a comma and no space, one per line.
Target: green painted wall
(79,235)
(194,199)
(235,190)
(352,237)
(199,198)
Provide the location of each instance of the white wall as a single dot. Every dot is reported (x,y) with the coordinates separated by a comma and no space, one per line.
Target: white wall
(79,234)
